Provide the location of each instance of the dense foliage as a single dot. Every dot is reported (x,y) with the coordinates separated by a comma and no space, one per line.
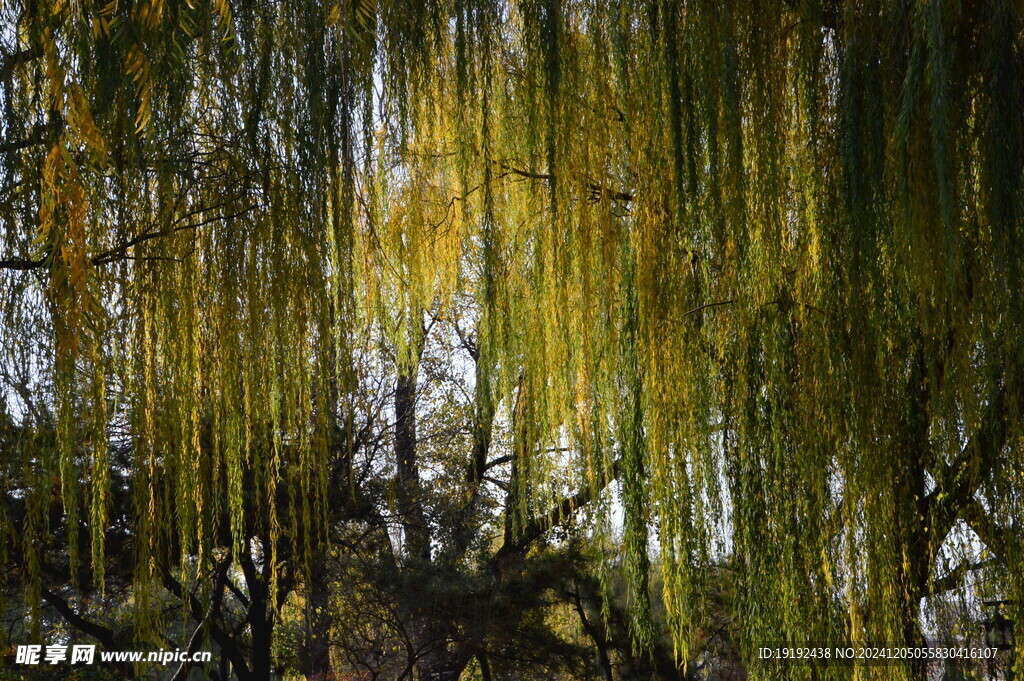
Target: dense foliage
(758,261)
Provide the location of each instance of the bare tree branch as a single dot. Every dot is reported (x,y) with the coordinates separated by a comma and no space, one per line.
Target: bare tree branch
(99,632)
(534,528)
(13,61)
(220,577)
(38,135)
(120,252)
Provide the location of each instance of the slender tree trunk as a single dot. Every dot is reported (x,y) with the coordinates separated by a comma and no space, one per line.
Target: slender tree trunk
(595,633)
(261,627)
(918,455)
(317,644)
(409,493)
(485,667)
(224,668)
(261,623)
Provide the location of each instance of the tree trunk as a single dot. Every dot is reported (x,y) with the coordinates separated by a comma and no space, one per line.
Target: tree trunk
(409,495)
(317,662)
(261,623)
(262,628)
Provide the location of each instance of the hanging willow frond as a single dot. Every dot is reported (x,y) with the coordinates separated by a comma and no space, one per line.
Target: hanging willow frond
(761,259)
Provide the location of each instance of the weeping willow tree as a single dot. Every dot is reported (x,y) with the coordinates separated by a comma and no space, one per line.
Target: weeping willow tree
(757,260)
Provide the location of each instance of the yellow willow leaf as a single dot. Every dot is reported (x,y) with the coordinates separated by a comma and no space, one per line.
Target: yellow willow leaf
(54,71)
(223,9)
(82,122)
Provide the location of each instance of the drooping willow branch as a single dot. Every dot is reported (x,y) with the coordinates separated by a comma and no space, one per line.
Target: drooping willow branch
(839,181)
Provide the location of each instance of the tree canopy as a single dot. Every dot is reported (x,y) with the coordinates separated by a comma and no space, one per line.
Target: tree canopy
(758,261)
